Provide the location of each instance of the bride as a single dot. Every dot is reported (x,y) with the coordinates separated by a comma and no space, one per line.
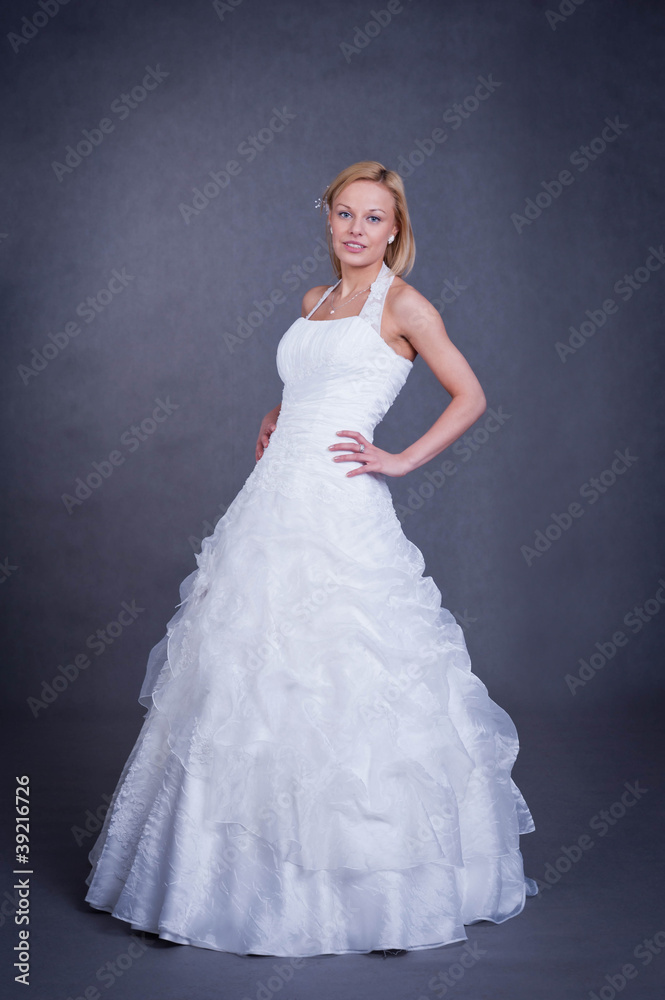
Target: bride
(365,219)
(319,771)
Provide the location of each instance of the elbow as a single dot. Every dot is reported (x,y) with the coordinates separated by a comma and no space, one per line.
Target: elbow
(479,404)
(472,404)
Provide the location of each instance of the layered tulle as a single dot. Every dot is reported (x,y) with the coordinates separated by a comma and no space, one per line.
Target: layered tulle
(318,771)
(316,748)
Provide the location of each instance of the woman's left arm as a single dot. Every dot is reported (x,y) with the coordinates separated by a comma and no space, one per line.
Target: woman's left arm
(420,323)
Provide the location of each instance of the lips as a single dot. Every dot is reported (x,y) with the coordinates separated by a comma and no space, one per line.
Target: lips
(351,245)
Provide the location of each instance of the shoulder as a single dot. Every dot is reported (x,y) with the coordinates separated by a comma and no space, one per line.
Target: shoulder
(408,308)
(311,297)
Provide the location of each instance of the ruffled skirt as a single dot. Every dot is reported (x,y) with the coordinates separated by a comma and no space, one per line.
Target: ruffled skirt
(318,771)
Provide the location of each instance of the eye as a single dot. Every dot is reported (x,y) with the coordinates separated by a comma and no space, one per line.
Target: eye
(342,211)
(375,217)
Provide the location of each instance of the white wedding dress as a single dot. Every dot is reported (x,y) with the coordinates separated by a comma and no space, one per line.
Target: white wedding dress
(318,771)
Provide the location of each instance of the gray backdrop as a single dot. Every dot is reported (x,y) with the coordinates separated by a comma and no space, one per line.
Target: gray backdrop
(135,282)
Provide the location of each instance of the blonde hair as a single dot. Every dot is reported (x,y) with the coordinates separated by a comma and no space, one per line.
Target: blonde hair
(401,254)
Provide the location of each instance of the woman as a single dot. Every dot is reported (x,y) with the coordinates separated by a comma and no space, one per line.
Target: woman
(319,771)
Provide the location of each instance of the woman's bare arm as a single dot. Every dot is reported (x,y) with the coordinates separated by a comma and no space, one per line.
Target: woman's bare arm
(414,319)
(424,329)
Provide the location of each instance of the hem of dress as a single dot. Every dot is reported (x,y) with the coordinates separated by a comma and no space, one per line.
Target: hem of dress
(165,934)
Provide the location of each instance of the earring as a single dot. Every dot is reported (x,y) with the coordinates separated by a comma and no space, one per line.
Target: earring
(391,238)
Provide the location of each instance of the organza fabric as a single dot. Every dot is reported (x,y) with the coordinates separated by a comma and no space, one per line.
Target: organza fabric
(318,771)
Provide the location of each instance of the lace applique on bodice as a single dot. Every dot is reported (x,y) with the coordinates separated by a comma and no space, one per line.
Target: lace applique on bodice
(372,309)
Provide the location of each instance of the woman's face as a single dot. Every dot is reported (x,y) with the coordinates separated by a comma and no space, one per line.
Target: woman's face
(362,218)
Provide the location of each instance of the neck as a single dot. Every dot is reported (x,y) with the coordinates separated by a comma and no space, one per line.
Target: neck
(355,278)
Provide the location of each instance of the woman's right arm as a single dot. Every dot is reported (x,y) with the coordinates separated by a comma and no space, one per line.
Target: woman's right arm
(268,425)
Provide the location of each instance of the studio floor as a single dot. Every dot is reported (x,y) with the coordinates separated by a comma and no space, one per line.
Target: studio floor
(595,931)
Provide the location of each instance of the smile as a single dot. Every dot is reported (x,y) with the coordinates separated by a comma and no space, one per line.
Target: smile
(355,246)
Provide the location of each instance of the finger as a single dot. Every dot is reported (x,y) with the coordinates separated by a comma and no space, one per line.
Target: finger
(357,441)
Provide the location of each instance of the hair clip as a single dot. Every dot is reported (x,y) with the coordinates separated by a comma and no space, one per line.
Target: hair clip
(322,203)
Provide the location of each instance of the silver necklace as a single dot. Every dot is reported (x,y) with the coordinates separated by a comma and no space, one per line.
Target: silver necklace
(351,299)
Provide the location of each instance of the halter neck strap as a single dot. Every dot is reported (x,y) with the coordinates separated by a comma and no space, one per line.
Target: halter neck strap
(377,293)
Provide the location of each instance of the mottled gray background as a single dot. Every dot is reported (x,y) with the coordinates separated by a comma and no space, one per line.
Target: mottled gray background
(165,335)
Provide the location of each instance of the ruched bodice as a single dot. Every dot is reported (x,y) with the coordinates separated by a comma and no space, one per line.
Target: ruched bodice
(338,374)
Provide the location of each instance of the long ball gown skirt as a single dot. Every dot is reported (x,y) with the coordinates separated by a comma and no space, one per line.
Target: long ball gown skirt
(318,770)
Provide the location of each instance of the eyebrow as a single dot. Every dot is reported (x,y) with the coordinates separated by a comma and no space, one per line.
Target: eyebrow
(341,204)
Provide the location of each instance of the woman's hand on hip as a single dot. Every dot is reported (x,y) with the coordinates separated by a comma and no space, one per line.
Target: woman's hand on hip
(374,459)
(268,425)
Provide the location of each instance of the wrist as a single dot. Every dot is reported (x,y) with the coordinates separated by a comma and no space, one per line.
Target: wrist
(407,462)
